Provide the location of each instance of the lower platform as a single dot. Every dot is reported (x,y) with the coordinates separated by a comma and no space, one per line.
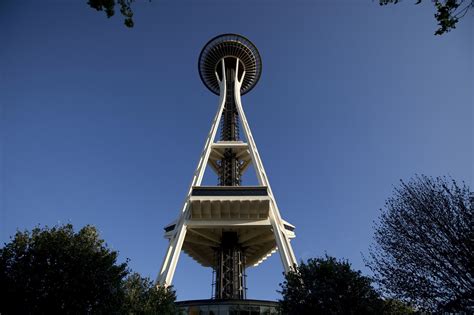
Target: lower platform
(227,307)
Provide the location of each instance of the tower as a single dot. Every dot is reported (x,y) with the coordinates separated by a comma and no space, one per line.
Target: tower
(229,227)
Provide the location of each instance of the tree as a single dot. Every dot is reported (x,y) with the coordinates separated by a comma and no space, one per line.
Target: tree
(109,7)
(448,12)
(141,296)
(327,286)
(396,307)
(423,245)
(58,271)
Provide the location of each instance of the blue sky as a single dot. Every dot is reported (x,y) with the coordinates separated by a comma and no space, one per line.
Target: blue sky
(104,125)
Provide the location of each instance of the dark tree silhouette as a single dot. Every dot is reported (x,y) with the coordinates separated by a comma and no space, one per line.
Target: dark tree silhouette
(141,296)
(327,286)
(109,7)
(58,271)
(448,12)
(423,251)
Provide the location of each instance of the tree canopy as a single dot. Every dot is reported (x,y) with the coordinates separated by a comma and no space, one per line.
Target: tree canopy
(423,245)
(448,12)
(141,296)
(59,271)
(328,286)
(109,7)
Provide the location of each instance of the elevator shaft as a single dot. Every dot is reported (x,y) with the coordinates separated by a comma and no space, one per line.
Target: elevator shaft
(230,166)
(230,268)
(230,256)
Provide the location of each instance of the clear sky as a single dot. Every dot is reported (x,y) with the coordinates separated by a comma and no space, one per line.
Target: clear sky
(104,125)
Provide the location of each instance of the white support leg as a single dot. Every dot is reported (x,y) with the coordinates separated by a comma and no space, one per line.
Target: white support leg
(284,247)
(168,267)
(176,249)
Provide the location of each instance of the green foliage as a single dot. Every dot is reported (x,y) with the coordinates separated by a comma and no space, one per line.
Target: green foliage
(448,12)
(395,307)
(109,7)
(143,297)
(327,286)
(423,250)
(58,271)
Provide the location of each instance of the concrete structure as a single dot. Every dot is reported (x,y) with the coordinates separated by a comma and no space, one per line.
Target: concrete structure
(229,227)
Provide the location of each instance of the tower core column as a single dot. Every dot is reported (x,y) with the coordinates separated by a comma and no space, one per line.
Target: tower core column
(229,267)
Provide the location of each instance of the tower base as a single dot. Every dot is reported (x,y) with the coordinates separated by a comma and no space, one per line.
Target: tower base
(227,307)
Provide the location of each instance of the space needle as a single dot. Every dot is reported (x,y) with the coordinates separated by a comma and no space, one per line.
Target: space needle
(228,227)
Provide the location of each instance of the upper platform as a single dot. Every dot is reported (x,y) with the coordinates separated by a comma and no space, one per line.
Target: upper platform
(229,45)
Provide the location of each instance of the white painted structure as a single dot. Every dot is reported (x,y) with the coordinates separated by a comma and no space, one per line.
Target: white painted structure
(255,218)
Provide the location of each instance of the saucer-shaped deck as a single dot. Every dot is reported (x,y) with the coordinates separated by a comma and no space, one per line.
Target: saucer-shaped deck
(225,46)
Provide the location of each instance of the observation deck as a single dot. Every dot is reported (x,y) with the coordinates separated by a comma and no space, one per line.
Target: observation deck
(230,46)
